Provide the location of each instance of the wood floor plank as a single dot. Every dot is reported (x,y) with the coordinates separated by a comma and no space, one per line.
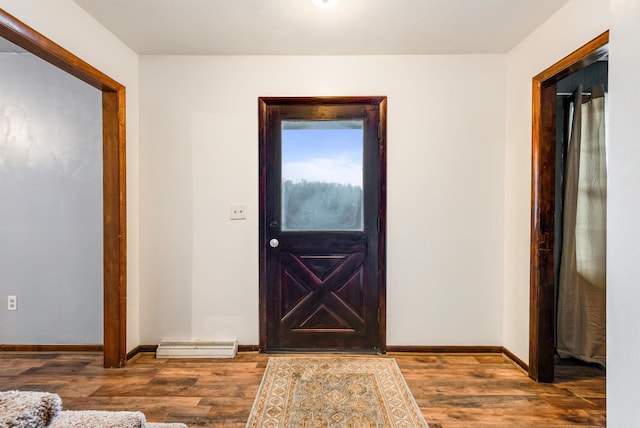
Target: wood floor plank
(452,390)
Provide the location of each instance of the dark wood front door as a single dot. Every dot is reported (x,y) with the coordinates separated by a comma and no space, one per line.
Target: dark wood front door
(322,224)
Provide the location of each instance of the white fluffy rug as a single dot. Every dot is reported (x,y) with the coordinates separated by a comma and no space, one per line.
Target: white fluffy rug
(107,419)
(27,409)
(99,419)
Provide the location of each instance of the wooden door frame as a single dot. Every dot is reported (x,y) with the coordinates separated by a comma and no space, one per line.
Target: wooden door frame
(381,102)
(114,184)
(543,183)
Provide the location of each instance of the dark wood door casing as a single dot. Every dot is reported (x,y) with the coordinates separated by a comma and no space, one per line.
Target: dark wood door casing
(312,317)
(114,180)
(543,211)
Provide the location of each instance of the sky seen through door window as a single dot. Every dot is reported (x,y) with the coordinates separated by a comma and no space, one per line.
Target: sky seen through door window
(322,151)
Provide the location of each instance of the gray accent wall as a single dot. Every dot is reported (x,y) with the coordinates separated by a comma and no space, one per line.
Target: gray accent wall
(50,204)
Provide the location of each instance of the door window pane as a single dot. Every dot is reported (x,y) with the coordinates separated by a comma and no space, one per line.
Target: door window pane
(322,175)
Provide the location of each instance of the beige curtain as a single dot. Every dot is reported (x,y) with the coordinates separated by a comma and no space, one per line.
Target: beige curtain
(581,324)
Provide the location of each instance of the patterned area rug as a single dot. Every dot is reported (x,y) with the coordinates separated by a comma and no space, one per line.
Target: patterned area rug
(334,392)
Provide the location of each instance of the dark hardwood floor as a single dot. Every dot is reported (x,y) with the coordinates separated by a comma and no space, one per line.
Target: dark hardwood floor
(452,390)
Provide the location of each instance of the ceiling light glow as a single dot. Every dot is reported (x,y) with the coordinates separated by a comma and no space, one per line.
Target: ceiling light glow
(325,3)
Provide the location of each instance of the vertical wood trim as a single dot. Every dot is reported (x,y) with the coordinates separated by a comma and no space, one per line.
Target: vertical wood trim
(382,216)
(542,231)
(262,228)
(543,148)
(114,170)
(114,161)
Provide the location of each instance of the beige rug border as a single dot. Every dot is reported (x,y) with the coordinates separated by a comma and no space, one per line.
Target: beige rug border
(256,401)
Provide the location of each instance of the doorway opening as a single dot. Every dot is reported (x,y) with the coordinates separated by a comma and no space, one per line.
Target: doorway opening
(113,173)
(544,209)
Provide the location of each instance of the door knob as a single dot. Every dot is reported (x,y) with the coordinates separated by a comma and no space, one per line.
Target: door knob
(274,243)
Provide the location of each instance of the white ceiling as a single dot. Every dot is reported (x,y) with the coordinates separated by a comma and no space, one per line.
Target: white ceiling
(297,27)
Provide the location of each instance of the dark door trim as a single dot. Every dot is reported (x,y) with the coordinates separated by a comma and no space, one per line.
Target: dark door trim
(114,186)
(543,179)
(381,104)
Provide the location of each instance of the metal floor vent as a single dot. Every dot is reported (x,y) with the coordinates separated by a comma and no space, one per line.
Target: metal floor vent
(196,349)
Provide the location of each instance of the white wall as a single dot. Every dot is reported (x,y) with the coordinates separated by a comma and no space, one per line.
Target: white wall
(199,153)
(446,178)
(68,25)
(51,209)
(623,268)
(578,22)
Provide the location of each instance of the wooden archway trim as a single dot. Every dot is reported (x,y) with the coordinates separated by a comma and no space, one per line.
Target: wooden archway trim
(543,170)
(114,167)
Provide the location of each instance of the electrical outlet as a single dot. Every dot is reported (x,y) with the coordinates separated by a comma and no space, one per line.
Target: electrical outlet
(12,303)
(238,212)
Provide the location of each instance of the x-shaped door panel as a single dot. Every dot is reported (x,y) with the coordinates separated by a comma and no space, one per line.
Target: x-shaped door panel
(322,293)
